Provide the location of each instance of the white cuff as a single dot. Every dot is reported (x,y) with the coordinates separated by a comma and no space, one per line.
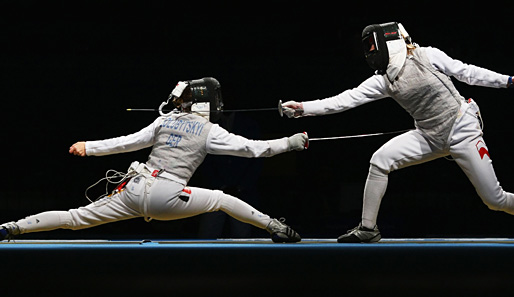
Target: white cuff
(312,108)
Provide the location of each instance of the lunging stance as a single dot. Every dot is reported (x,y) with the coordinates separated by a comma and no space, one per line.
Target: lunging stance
(417,78)
(157,189)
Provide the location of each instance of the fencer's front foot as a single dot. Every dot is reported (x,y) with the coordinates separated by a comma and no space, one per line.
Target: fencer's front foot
(281,233)
(8,231)
(360,234)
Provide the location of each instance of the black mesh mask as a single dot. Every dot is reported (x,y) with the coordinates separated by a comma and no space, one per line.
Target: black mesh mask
(374,42)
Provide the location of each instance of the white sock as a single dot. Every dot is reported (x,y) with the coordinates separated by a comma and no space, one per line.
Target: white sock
(375,188)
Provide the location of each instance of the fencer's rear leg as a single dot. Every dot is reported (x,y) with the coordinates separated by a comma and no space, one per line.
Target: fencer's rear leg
(106,210)
(474,159)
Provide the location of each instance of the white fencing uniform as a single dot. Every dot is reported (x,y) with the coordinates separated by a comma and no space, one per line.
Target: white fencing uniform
(446,124)
(179,143)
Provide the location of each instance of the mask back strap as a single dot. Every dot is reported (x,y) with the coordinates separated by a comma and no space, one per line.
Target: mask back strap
(164,104)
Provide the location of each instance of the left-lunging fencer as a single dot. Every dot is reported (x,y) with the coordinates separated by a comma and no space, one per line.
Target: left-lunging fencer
(157,189)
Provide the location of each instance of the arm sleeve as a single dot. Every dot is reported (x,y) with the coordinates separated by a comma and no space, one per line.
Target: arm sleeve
(372,89)
(470,74)
(123,144)
(221,142)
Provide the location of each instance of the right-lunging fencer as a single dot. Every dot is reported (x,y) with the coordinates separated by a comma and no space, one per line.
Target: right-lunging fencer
(417,78)
(157,189)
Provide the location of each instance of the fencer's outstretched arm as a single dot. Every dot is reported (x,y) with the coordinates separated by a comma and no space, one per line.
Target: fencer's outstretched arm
(467,73)
(221,142)
(129,143)
(374,88)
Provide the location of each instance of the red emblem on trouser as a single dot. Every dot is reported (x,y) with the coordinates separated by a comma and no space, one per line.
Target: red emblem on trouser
(184,196)
(482,149)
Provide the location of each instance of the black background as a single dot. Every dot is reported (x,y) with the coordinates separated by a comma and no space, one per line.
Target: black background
(70,69)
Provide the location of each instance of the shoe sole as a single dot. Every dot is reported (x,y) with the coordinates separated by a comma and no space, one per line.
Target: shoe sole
(355,239)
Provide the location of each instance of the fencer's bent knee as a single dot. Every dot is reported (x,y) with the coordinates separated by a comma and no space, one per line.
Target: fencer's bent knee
(221,201)
(493,206)
(497,199)
(380,164)
(226,202)
(213,198)
(217,196)
(494,203)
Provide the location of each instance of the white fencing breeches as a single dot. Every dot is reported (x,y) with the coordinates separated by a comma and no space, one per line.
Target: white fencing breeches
(468,149)
(164,202)
(154,198)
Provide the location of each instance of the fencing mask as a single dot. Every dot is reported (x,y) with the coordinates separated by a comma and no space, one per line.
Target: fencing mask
(385,47)
(201,96)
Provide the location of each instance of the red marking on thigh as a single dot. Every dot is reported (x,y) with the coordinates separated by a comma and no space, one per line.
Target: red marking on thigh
(482,149)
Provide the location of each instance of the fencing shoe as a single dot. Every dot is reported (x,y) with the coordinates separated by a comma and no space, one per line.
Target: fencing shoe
(360,234)
(8,230)
(281,232)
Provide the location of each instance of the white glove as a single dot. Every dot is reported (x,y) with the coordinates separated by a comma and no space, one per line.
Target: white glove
(292,109)
(298,142)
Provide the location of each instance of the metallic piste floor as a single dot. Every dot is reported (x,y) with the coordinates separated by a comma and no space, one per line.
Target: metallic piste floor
(311,242)
(258,267)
